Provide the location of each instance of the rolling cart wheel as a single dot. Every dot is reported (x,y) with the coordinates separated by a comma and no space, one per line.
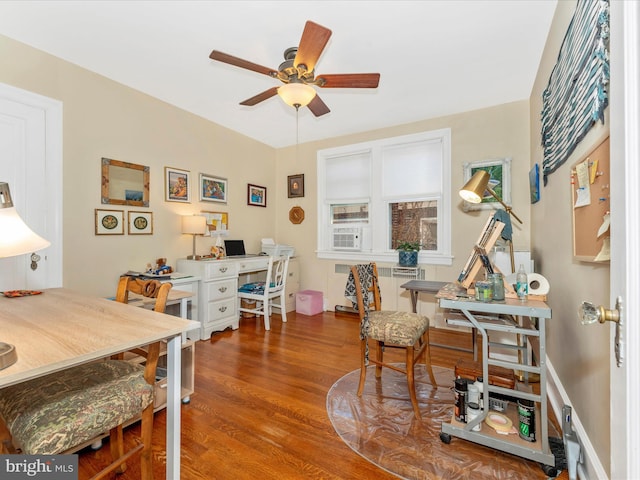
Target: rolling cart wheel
(548,470)
(445,437)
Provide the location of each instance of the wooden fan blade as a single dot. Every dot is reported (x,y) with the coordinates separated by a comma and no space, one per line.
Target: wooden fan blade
(314,38)
(239,62)
(350,80)
(318,107)
(260,97)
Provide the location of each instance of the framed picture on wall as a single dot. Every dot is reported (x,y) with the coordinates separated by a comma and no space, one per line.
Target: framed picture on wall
(295,185)
(177,187)
(109,222)
(213,189)
(499,171)
(216,221)
(256,195)
(140,223)
(534,183)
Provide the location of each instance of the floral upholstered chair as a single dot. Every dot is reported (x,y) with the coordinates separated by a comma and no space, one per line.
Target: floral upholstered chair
(65,411)
(406,330)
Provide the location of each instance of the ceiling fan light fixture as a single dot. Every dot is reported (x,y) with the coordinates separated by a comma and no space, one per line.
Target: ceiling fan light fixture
(297,94)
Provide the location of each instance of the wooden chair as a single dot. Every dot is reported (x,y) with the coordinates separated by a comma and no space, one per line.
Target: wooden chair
(263,293)
(406,330)
(65,411)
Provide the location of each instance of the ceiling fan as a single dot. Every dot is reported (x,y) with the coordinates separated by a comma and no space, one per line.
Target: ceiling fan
(297,73)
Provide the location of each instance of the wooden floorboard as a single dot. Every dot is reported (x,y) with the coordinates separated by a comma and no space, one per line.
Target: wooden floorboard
(258,410)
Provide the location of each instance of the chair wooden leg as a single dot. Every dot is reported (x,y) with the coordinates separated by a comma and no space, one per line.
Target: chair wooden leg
(411,382)
(363,366)
(427,359)
(379,358)
(116,446)
(146,428)
(283,308)
(266,310)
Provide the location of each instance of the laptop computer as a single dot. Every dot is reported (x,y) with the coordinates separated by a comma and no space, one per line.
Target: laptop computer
(234,248)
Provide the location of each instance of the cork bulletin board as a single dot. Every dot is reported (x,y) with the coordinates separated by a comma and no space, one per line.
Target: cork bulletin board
(591,204)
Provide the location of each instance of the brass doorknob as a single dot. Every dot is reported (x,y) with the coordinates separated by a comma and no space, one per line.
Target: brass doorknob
(589,314)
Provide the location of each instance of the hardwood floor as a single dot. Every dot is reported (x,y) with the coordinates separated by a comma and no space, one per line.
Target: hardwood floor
(259,411)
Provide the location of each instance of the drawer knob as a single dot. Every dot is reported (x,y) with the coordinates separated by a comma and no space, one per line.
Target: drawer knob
(223,269)
(222,289)
(222,309)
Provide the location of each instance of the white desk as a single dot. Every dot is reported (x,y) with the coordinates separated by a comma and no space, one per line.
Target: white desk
(62,328)
(218,293)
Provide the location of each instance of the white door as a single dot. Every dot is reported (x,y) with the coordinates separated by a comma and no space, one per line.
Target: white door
(31,163)
(625,237)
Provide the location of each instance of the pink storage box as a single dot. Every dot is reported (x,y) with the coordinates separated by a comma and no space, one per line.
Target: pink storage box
(309,302)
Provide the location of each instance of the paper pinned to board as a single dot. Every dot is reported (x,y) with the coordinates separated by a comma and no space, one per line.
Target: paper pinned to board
(606,223)
(583,197)
(594,171)
(583,194)
(605,252)
(582,173)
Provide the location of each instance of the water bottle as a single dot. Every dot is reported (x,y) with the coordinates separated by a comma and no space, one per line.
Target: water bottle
(522,284)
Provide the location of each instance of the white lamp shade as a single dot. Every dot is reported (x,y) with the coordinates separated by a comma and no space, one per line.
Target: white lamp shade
(297,94)
(194,224)
(16,238)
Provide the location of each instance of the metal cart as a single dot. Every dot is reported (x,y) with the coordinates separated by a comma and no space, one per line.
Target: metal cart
(514,317)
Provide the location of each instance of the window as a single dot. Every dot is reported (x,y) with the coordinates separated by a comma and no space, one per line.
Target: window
(374,195)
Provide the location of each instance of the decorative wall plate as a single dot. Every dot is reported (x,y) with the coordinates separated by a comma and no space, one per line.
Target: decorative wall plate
(296,215)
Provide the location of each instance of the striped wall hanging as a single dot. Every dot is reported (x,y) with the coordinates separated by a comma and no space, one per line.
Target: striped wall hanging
(576,96)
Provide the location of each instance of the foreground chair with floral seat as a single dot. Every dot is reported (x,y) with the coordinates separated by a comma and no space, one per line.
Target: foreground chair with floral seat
(263,293)
(65,411)
(393,329)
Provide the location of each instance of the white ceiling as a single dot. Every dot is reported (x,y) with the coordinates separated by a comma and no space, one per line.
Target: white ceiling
(435,57)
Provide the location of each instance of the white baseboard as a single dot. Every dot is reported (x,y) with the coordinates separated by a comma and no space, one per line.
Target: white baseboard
(590,466)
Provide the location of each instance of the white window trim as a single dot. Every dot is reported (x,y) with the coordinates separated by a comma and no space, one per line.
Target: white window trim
(443,257)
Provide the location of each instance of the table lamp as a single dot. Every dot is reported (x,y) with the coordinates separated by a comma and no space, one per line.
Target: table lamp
(194,225)
(16,238)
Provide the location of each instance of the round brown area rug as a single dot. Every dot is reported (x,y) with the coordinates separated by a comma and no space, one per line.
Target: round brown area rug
(380,426)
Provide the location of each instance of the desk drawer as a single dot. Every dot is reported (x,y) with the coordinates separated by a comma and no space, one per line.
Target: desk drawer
(221,309)
(216,269)
(221,289)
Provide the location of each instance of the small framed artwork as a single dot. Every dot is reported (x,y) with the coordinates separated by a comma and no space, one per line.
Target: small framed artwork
(213,189)
(499,181)
(295,185)
(256,195)
(216,221)
(140,223)
(176,185)
(534,183)
(109,222)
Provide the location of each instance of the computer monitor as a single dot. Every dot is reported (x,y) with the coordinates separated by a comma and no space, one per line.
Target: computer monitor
(233,248)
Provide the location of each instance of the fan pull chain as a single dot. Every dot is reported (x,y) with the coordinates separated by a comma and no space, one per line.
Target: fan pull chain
(297,131)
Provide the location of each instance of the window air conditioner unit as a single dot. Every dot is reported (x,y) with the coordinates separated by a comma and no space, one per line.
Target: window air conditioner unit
(346,239)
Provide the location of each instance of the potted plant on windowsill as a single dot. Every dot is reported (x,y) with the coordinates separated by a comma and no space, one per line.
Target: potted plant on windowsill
(408,253)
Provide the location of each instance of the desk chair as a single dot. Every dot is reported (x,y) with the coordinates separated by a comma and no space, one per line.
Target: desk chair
(263,293)
(388,329)
(65,411)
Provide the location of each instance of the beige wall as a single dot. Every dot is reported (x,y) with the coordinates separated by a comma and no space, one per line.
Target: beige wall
(580,355)
(497,132)
(102,118)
